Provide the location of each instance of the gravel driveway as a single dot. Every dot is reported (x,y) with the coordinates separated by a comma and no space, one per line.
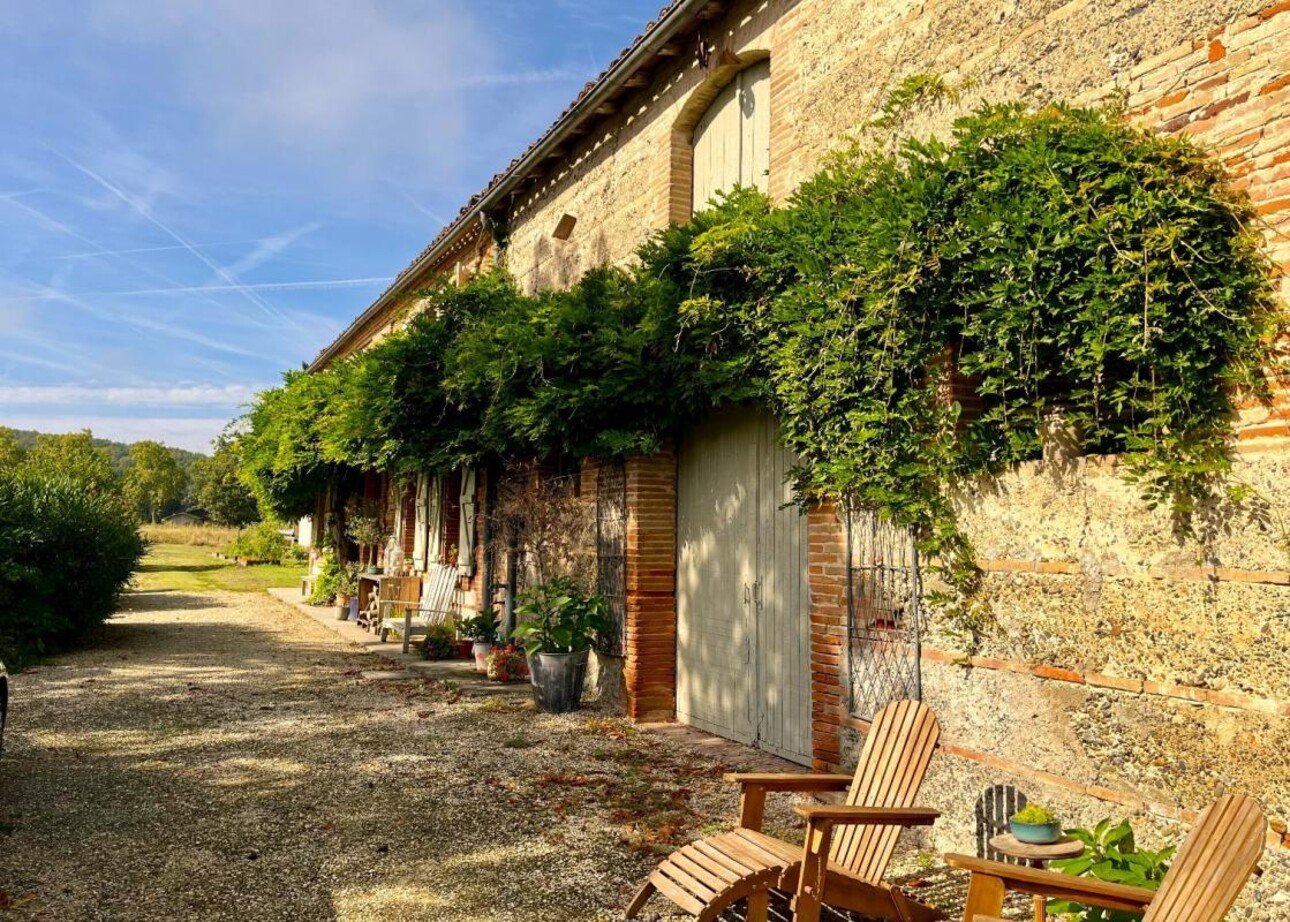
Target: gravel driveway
(221,757)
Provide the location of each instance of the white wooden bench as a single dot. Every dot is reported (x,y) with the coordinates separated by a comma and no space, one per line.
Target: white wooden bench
(437,605)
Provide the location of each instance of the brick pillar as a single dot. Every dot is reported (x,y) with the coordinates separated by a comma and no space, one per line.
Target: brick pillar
(826,539)
(650,670)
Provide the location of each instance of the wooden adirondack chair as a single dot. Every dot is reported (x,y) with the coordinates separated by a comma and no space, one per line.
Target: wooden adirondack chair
(408,619)
(844,869)
(1220,853)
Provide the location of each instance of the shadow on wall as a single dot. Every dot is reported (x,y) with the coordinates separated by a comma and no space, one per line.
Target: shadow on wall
(561,264)
(992,810)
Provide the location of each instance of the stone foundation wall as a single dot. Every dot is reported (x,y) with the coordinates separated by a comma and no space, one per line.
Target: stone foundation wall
(1130,672)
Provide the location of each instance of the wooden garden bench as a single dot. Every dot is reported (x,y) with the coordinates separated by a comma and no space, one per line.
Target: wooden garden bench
(1215,861)
(847,847)
(436,605)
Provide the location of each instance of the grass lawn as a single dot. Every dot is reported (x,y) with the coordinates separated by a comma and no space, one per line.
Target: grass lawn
(189,568)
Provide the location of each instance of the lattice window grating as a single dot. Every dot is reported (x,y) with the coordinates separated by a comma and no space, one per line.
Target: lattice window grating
(884,592)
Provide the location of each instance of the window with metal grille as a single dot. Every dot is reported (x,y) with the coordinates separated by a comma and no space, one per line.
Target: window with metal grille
(884,590)
(611,551)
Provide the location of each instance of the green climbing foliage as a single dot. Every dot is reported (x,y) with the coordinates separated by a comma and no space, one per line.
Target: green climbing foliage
(1064,263)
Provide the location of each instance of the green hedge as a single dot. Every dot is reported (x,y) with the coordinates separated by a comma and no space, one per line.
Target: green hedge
(66,554)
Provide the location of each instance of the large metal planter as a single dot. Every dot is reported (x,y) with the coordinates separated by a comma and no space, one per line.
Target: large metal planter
(557,680)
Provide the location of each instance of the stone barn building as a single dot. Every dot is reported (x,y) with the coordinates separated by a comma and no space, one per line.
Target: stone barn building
(1134,673)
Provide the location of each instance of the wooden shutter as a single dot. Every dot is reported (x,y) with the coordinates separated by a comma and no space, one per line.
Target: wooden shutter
(466,548)
(451,519)
(408,520)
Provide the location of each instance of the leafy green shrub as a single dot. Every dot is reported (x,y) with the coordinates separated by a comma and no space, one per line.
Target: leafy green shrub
(334,579)
(325,582)
(482,628)
(440,642)
(1110,854)
(66,554)
(559,618)
(1065,262)
(260,542)
(1035,815)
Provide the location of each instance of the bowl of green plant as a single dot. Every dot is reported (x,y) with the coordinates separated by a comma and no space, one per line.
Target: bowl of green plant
(1035,825)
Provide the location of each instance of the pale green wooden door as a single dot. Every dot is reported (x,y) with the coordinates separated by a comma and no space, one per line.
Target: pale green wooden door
(743,654)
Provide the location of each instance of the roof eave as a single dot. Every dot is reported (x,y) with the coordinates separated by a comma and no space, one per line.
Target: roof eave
(671,22)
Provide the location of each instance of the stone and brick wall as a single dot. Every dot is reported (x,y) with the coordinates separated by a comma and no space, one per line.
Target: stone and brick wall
(1132,671)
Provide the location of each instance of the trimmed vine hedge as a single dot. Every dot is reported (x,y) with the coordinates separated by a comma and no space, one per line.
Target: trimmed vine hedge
(1063,261)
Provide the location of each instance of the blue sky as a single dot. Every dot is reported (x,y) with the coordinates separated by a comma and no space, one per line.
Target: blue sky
(198,194)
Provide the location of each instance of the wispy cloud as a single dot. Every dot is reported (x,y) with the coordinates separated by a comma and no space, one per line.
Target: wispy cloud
(96,254)
(268,249)
(142,208)
(520,78)
(304,285)
(199,395)
(194,433)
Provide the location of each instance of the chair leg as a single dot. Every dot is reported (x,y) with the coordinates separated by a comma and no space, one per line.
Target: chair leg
(759,906)
(639,900)
(984,897)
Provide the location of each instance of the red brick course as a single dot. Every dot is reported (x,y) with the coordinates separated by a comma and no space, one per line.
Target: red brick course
(650,670)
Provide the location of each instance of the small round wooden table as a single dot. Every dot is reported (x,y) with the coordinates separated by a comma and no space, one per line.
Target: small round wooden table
(1037,856)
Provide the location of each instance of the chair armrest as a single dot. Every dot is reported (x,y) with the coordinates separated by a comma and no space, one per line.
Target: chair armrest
(841,815)
(1053,885)
(790,781)
(755,785)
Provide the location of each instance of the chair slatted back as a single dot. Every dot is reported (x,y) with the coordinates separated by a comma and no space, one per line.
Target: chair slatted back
(892,766)
(1214,863)
(440,589)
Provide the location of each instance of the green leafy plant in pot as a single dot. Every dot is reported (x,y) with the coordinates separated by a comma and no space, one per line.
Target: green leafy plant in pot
(1035,825)
(560,624)
(1111,854)
(367,531)
(481,631)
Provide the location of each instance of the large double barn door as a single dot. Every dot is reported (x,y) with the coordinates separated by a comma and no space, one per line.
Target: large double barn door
(743,627)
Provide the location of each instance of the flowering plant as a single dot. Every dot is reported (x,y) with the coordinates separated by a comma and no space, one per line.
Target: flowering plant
(507,664)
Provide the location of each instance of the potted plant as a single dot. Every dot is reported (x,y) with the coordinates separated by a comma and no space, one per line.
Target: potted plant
(345,585)
(464,648)
(1035,825)
(481,631)
(439,643)
(506,664)
(561,624)
(369,534)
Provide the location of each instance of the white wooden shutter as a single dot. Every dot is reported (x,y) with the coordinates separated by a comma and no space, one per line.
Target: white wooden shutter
(466,534)
(434,521)
(422,522)
(732,140)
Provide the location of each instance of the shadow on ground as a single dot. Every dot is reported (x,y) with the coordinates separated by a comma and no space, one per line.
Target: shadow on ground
(222,757)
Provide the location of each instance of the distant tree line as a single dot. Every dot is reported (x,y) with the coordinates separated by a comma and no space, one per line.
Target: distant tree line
(151,479)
